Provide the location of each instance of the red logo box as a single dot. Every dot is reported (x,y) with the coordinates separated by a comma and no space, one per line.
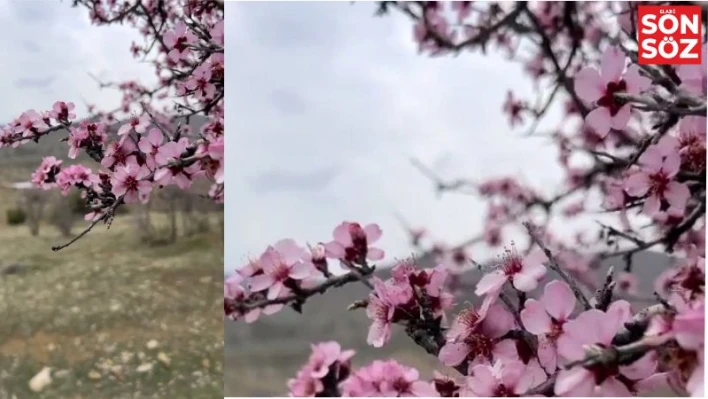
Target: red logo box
(669,35)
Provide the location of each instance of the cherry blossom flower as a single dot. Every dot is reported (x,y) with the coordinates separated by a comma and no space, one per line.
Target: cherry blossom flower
(389,379)
(46,174)
(281,263)
(503,379)
(352,243)
(138,124)
(660,163)
(327,358)
(446,386)
(180,175)
(546,317)
(381,309)
(595,327)
(62,111)
(523,273)
(130,182)
(178,41)
(474,335)
(599,87)
(119,154)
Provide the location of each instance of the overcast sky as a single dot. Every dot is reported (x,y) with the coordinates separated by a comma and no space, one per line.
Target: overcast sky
(326,104)
(49,49)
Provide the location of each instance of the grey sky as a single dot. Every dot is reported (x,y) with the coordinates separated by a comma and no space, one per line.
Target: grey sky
(49,50)
(326,104)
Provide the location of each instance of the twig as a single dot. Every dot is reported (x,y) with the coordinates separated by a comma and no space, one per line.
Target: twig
(555,266)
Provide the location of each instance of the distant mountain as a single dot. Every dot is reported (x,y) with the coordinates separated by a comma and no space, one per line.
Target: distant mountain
(260,357)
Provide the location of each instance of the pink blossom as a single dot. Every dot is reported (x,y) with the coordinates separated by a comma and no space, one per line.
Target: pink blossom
(119,154)
(389,379)
(474,335)
(46,174)
(545,318)
(327,359)
(178,41)
(352,243)
(660,163)
(692,143)
(180,175)
(281,263)
(150,145)
(523,273)
(595,327)
(599,87)
(381,309)
(130,182)
(61,111)
(503,379)
(29,123)
(135,123)
(513,108)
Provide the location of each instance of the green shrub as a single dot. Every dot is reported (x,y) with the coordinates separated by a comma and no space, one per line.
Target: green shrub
(16,216)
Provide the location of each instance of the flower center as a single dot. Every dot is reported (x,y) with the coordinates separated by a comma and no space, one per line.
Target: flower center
(480,345)
(609,101)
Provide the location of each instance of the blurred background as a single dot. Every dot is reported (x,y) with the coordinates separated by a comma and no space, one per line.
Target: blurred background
(133,311)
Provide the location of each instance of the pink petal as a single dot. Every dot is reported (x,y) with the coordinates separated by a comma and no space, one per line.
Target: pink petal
(512,372)
(374,253)
(671,164)
(588,85)
(640,369)
(558,299)
(334,249)
(677,194)
(652,383)
(490,282)
(621,118)
(423,389)
(637,184)
(481,381)
(452,354)
(612,64)
(260,282)
(379,334)
(599,121)
(547,354)
(535,318)
(289,251)
(636,83)
(652,205)
(300,271)
(617,314)
(341,234)
(275,290)
(525,282)
(578,381)
(373,233)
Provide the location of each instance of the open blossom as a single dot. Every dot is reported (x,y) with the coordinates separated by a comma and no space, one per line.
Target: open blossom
(389,379)
(281,263)
(381,309)
(29,123)
(119,154)
(660,163)
(599,87)
(46,174)
(352,243)
(76,175)
(180,175)
(62,111)
(597,328)
(524,273)
(178,41)
(150,145)
(546,317)
(474,336)
(130,181)
(503,379)
(136,124)
(692,143)
(235,292)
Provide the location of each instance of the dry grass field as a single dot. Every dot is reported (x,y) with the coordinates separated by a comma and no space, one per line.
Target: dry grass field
(111,316)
